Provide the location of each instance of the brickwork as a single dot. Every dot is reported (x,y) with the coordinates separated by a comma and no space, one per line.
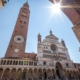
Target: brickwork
(17,44)
(72,12)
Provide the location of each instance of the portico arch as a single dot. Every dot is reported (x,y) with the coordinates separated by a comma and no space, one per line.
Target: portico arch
(19,74)
(45,73)
(72,11)
(59,70)
(13,74)
(35,73)
(6,74)
(24,74)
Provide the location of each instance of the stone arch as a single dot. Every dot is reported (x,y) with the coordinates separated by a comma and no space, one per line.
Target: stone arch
(1,72)
(35,70)
(13,74)
(19,74)
(40,73)
(35,73)
(71,73)
(72,13)
(6,74)
(77,74)
(24,74)
(44,73)
(53,74)
(59,70)
(67,73)
(49,73)
(30,73)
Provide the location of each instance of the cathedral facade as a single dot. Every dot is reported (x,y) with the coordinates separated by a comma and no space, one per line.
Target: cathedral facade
(51,60)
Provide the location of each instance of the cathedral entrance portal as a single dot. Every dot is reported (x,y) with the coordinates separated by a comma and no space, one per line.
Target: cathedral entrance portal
(59,70)
(45,75)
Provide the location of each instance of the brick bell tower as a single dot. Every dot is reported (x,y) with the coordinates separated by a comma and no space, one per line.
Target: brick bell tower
(17,43)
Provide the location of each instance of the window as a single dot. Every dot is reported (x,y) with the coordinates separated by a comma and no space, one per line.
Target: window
(25,12)
(20,21)
(24,16)
(21,26)
(24,22)
(15,31)
(63,50)
(67,65)
(11,45)
(44,63)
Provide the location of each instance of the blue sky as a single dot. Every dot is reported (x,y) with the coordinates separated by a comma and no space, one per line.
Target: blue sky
(39,22)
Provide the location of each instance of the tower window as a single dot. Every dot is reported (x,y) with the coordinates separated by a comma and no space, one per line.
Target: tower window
(20,21)
(11,45)
(44,62)
(25,12)
(24,22)
(21,26)
(67,65)
(15,31)
(24,16)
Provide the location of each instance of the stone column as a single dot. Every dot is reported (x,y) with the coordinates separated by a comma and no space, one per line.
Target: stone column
(6,62)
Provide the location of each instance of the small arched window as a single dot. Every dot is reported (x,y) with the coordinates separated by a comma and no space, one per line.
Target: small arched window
(44,63)
(67,65)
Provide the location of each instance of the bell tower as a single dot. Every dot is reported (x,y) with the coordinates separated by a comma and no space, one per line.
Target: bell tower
(17,43)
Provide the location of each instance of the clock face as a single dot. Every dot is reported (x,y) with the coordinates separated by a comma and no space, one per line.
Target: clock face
(19,39)
(53,47)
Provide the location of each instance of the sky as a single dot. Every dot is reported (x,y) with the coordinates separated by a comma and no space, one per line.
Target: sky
(41,21)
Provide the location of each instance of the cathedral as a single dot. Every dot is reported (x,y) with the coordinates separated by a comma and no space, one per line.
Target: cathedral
(51,61)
